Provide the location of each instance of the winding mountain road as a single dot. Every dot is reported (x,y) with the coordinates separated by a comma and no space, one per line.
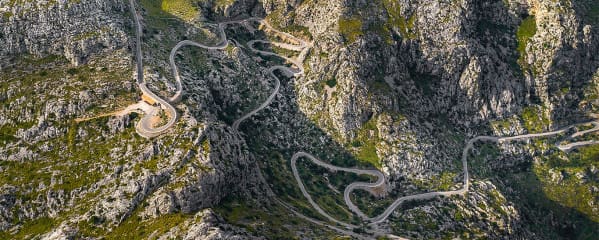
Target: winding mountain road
(138,33)
(145,127)
(175,70)
(303,48)
(268,100)
(424,196)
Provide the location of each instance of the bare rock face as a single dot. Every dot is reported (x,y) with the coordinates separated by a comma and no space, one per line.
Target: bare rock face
(118,124)
(224,178)
(397,84)
(222,169)
(60,233)
(213,226)
(560,55)
(235,9)
(7,201)
(74,29)
(457,60)
(454,46)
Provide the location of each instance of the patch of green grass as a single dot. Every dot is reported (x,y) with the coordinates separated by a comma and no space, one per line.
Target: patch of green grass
(534,119)
(86,35)
(7,15)
(446,180)
(8,132)
(167,14)
(206,145)
(365,142)
(350,28)
(368,153)
(497,201)
(585,156)
(273,222)
(153,8)
(284,52)
(184,9)
(526,30)
(395,19)
(501,124)
(136,228)
(406,27)
(31,229)
(572,192)
(442,182)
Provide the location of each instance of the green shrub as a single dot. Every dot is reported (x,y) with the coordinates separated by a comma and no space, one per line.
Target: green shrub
(395,19)
(332,82)
(73,71)
(526,30)
(366,144)
(350,28)
(534,119)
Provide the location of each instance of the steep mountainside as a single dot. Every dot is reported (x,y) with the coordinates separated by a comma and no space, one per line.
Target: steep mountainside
(401,86)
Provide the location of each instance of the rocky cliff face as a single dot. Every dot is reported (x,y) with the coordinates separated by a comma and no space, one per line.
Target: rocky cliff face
(464,62)
(66,63)
(398,74)
(74,29)
(399,85)
(457,58)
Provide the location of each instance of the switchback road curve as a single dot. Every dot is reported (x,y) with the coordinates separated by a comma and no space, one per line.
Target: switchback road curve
(145,127)
(424,196)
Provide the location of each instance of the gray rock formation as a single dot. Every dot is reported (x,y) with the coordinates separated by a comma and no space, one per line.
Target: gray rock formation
(213,226)
(395,84)
(42,28)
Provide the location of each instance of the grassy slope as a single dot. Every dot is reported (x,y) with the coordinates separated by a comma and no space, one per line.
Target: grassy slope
(350,28)
(526,30)
(75,162)
(568,198)
(572,192)
(184,9)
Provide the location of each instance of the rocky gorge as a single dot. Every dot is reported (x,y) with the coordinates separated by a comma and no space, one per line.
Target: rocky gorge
(396,85)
